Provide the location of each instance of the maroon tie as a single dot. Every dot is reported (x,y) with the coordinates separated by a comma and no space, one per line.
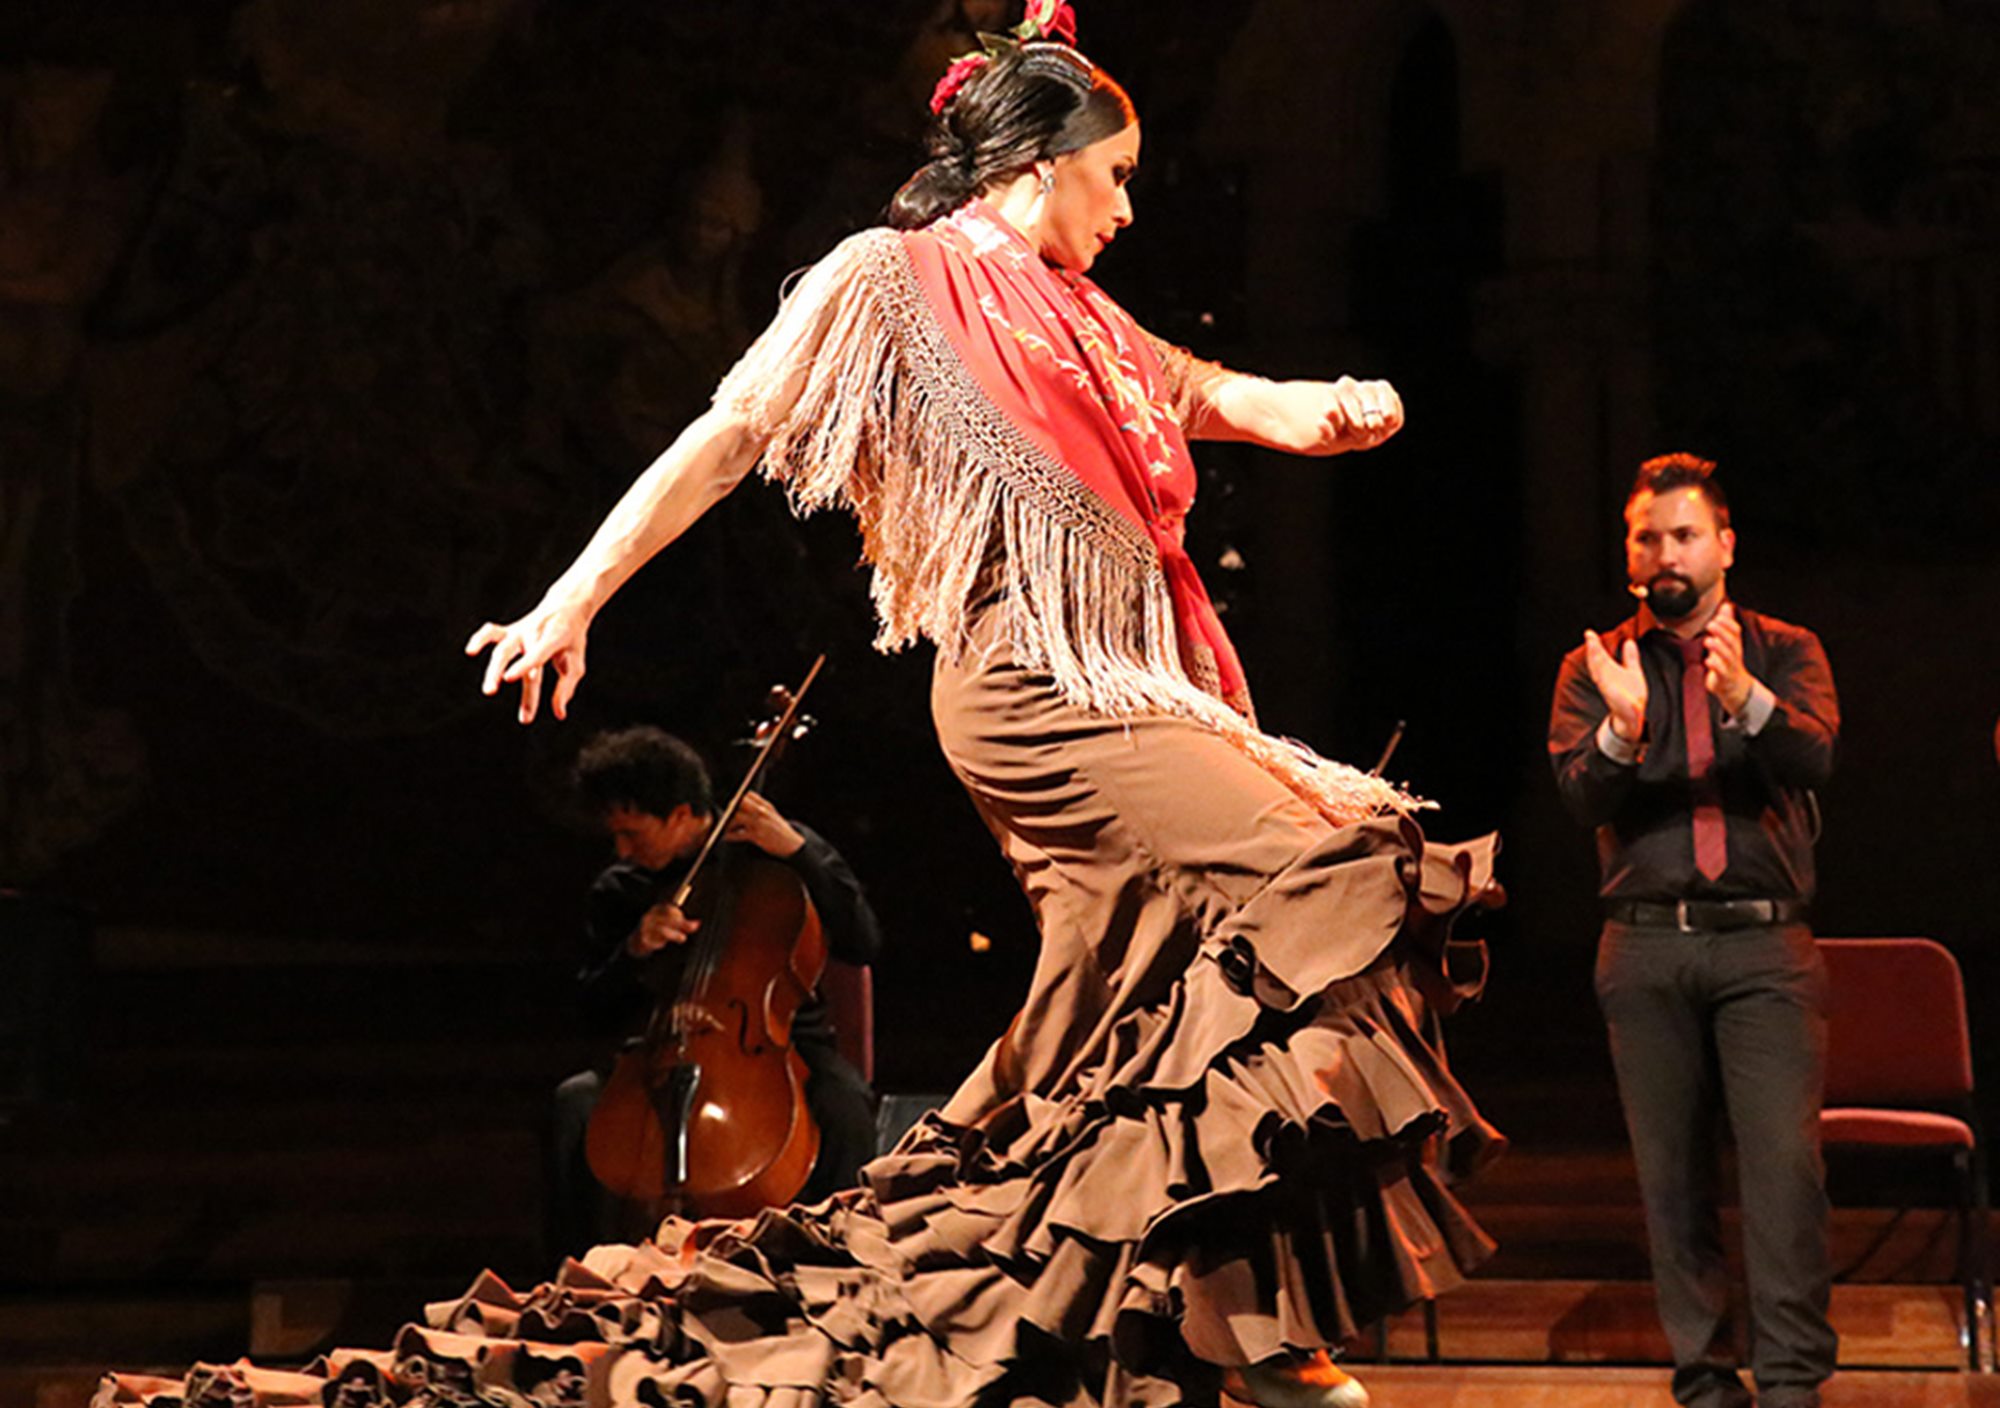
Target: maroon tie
(1711,846)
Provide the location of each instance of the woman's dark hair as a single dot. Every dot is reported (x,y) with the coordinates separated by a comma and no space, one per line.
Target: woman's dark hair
(1031,102)
(646,769)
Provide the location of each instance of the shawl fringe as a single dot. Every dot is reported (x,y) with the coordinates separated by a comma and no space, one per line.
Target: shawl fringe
(861,403)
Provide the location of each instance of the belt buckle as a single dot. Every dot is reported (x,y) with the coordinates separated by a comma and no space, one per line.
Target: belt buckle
(1681,917)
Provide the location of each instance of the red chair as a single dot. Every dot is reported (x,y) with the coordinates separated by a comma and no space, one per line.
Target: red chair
(1899,1078)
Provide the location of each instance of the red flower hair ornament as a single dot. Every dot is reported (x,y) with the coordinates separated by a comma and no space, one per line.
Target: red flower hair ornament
(1049,19)
(1045,20)
(955,78)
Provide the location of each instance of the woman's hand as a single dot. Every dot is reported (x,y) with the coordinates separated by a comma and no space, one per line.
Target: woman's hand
(1301,417)
(1350,414)
(705,462)
(551,637)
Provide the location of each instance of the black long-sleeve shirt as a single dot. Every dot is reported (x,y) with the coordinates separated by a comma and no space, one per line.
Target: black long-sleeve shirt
(1643,809)
(618,990)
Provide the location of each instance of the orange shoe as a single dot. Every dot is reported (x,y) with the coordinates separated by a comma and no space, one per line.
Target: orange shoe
(1287,1382)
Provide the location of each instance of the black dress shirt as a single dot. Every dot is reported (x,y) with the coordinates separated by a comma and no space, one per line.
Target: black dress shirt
(1643,809)
(620,990)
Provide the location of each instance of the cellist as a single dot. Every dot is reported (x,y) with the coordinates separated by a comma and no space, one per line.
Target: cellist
(651,795)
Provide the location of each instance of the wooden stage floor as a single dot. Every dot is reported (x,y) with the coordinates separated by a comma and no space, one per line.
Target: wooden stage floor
(1399,1386)
(1546,1386)
(1499,1344)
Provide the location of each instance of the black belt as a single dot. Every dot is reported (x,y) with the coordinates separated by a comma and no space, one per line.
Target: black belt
(1689,915)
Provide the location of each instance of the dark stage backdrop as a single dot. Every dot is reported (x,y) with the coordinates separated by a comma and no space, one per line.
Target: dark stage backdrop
(327,331)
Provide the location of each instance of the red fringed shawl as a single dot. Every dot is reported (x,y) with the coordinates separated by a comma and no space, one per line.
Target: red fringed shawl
(1000,425)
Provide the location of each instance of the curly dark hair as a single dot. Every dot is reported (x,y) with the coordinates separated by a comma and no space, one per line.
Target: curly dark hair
(644,768)
(1680,470)
(1032,102)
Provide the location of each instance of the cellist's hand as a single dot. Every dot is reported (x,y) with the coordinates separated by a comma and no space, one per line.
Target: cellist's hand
(764,827)
(661,925)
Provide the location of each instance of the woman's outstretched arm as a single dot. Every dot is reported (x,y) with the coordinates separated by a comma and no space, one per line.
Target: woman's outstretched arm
(698,470)
(1301,417)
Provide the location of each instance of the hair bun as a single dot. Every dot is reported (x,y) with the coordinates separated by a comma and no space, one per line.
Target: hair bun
(940,185)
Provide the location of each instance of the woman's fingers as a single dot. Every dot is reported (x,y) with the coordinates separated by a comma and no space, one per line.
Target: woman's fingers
(544,642)
(1391,406)
(569,673)
(483,637)
(1364,413)
(531,693)
(1381,412)
(506,646)
(1349,404)
(532,656)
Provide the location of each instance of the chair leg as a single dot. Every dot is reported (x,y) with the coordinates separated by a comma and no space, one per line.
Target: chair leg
(1974,1266)
(1968,1284)
(1379,1333)
(1979,1273)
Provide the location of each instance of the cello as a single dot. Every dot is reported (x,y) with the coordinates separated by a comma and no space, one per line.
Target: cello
(705,1113)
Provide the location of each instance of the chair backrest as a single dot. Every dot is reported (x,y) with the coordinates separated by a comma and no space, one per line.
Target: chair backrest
(1896,1028)
(849,990)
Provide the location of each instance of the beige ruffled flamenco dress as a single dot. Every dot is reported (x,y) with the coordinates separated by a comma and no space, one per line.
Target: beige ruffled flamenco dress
(1220,1129)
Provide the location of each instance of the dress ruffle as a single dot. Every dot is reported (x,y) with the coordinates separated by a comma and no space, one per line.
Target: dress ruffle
(1271,1133)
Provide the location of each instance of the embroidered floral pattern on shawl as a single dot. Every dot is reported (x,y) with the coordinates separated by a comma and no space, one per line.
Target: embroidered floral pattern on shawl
(1008,438)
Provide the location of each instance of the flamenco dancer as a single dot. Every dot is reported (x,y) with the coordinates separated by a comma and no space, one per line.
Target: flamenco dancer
(1210,1147)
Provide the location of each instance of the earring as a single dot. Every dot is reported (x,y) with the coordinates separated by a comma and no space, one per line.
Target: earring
(1048,182)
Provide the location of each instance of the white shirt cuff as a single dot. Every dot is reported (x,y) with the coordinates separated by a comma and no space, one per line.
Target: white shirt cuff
(1756,713)
(1619,750)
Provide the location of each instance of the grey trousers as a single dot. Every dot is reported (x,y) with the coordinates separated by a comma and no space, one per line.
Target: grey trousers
(1715,1023)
